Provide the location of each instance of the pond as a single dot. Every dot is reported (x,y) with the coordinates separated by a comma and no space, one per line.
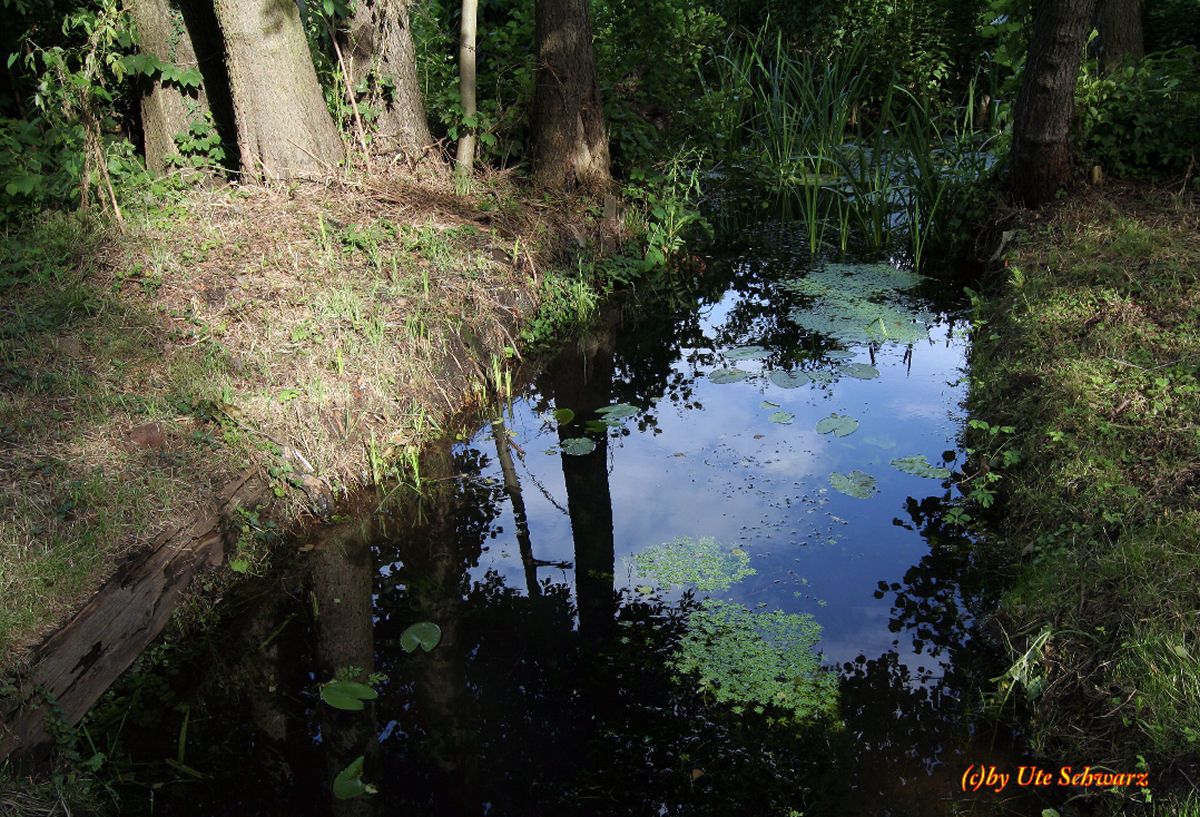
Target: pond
(702,565)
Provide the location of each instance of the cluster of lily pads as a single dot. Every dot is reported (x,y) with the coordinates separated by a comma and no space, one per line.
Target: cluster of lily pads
(352,696)
(852,304)
(607,417)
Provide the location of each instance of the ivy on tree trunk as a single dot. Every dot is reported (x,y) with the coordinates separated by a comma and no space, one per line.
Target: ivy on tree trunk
(379,47)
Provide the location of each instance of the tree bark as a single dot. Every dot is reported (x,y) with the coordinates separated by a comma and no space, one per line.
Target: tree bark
(1040,165)
(166,110)
(284,129)
(570,139)
(464,159)
(379,46)
(1120,25)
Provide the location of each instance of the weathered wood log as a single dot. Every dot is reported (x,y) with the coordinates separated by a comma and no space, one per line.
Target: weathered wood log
(78,663)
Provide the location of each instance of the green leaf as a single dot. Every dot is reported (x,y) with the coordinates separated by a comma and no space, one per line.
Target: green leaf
(856,484)
(768,404)
(782,417)
(349,783)
(861,371)
(578,446)
(918,466)
(789,380)
(563,416)
(347,695)
(617,412)
(24,183)
(423,634)
(727,375)
(239,565)
(745,353)
(839,425)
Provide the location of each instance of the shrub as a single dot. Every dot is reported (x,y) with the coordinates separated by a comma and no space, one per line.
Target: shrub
(1142,119)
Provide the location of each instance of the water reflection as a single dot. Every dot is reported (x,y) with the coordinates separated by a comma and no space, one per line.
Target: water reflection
(553,689)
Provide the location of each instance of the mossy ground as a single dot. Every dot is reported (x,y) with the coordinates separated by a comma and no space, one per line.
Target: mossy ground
(1092,353)
(317,330)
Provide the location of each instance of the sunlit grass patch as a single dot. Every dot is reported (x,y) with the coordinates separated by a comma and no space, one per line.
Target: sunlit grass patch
(1093,354)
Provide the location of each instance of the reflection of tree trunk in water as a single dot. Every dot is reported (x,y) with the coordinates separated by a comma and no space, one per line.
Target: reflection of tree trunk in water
(581,380)
(342,576)
(512,487)
(435,578)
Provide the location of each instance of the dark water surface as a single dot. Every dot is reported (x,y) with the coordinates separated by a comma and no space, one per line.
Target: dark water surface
(555,689)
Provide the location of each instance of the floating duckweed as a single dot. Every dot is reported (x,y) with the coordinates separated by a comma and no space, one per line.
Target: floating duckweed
(762,662)
(858,303)
(703,562)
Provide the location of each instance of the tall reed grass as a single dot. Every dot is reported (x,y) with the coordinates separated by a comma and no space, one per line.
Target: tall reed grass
(859,172)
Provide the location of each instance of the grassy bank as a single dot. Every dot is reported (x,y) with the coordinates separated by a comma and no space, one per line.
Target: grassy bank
(316,334)
(1092,354)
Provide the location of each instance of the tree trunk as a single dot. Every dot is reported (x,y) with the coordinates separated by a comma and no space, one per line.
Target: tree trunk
(512,487)
(166,110)
(570,140)
(581,379)
(464,159)
(1120,24)
(284,129)
(1040,165)
(379,46)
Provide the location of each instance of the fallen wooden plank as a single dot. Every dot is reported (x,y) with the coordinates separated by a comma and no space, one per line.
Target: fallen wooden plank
(78,663)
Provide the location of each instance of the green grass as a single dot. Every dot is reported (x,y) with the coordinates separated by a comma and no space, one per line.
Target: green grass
(1092,352)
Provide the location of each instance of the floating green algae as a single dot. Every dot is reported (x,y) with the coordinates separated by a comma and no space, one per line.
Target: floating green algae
(703,563)
(758,661)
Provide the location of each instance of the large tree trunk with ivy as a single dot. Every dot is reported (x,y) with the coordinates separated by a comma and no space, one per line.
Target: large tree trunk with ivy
(378,45)
(284,129)
(1120,25)
(570,139)
(1040,164)
(167,109)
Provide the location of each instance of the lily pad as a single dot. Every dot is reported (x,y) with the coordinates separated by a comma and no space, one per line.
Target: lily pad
(839,425)
(347,695)
(839,354)
(563,416)
(617,412)
(857,484)
(727,375)
(349,784)
(860,371)
(782,417)
(578,446)
(423,634)
(918,466)
(789,380)
(745,353)
(768,404)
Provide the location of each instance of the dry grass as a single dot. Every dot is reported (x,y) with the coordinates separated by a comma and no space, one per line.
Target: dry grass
(314,328)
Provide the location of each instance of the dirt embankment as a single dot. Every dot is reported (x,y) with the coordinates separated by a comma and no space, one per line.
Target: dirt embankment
(295,343)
